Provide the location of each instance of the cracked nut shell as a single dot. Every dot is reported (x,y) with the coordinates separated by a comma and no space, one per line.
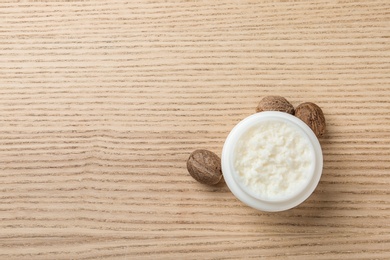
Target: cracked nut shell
(205,167)
(275,103)
(313,116)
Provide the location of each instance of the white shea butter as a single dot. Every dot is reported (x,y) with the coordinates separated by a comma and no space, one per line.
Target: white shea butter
(274,160)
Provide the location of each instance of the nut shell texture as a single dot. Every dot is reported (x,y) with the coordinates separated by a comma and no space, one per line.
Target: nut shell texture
(275,103)
(205,167)
(313,116)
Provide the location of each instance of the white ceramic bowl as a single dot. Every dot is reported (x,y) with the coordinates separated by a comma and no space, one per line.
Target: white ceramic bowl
(241,191)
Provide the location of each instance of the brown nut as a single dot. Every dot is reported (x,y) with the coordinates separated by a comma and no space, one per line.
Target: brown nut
(205,167)
(313,116)
(275,103)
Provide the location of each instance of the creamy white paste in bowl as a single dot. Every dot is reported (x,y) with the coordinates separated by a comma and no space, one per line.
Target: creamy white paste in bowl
(272,161)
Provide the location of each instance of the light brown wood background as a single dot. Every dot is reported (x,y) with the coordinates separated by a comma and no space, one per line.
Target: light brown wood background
(101,102)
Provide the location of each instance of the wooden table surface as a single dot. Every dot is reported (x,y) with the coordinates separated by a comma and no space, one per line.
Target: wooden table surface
(101,103)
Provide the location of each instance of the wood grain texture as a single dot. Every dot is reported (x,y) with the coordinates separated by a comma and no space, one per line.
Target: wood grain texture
(101,103)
